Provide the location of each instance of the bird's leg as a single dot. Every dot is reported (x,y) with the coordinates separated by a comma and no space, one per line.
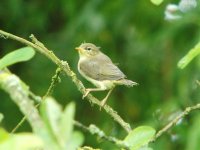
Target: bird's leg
(103,102)
(87,91)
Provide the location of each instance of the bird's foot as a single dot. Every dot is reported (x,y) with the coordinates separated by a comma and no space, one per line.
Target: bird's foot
(102,103)
(86,93)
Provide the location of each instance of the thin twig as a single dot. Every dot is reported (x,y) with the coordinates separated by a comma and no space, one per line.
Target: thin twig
(54,80)
(93,129)
(198,82)
(19,124)
(176,120)
(65,67)
(12,85)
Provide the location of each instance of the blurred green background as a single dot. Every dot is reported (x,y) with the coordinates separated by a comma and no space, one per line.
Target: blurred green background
(136,36)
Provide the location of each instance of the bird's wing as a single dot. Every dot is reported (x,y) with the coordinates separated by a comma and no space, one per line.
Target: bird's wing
(101,68)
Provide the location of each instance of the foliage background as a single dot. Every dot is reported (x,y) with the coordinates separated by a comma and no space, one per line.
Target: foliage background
(135,35)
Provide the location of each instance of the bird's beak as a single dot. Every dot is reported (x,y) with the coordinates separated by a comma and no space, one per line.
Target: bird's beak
(78,48)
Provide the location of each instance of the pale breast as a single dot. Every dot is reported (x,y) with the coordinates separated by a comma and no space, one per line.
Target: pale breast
(105,84)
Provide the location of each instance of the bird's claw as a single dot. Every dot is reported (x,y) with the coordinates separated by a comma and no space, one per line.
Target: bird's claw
(86,93)
(102,104)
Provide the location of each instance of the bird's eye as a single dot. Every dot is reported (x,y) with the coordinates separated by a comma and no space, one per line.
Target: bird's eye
(88,48)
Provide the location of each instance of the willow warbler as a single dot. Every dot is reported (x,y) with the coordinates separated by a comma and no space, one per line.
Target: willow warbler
(98,68)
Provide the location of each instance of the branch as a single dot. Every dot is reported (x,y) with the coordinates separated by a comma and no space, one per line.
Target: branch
(63,65)
(14,87)
(19,93)
(176,120)
(93,129)
(8,84)
(54,80)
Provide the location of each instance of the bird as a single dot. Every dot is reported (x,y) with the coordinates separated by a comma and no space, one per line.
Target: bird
(98,68)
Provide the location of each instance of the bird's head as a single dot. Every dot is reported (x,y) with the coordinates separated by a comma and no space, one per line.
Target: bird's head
(88,50)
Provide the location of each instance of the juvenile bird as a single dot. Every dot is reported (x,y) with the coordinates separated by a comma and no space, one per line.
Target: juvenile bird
(98,68)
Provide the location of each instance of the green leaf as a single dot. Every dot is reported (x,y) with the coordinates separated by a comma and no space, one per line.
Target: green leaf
(1,117)
(20,55)
(189,56)
(146,148)
(3,135)
(156,2)
(139,137)
(67,121)
(51,113)
(22,141)
(75,141)
(193,136)
(60,124)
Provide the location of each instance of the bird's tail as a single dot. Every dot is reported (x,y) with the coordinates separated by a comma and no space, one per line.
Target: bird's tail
(127,82)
